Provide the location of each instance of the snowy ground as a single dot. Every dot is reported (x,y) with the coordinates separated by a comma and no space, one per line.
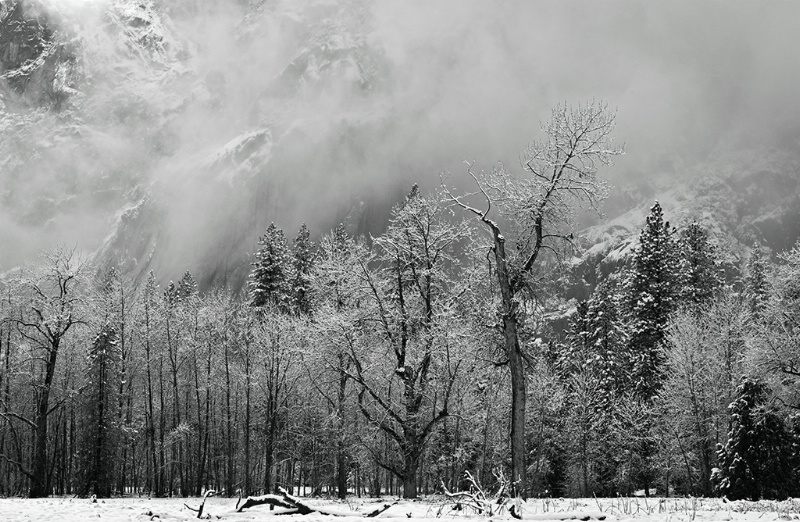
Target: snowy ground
(612,510)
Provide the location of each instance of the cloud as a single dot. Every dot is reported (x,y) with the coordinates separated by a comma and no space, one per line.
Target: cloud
(447,81)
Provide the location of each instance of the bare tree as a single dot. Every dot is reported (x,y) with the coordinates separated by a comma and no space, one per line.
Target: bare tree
(412,313)
(53,307)
(538,210)
(704,351)
(335,292)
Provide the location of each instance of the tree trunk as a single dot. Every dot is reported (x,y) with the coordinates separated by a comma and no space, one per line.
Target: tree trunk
(162,457)
(410,478)
(247,391)
(518,403)
(39,487)
(177,461)
(270,454)
(228,425)
(153,482)
(40,479)
(516,367)
(341,457)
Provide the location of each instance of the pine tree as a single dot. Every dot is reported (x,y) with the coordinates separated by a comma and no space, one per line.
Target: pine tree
(302,264)
(577,354)
(607,337)
(151,308)
(171,295)
(100,420)
(187,286)
(700,276)
(652,287)
(756,282)
(756,460)
(269,277)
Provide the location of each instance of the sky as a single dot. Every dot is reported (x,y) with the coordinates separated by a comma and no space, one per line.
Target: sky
(683,75)
(456,80)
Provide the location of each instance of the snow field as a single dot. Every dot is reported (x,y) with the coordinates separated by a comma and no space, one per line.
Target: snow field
(616,510)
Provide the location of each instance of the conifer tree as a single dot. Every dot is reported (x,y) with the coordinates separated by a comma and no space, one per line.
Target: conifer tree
(700,276)
(756,282)
(608,338)
(150,311)
(756,461)
(653,286)
(269,277)
(302,264)
(171,295)
(187,286)
(100,419)
(577,354)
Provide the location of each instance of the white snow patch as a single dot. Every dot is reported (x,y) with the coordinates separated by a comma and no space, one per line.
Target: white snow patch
(242,156)
(611,509)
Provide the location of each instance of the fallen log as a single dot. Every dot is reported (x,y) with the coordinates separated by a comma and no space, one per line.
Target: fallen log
(272,500)
(293,506)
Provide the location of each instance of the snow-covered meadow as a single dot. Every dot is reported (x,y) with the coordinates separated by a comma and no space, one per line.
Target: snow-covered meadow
(617,510)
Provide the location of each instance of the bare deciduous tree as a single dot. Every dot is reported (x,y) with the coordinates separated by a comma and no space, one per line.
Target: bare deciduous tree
(54,306)
(411,303)
(538,210)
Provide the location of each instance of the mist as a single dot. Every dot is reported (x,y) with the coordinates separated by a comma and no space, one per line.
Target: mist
(186,135)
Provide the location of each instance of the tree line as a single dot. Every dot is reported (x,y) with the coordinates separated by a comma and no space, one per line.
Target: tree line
(395,364)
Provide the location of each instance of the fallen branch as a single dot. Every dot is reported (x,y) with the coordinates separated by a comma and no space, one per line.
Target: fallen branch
(464,498)
(378,511)
(475,498)
(293,506)
(199,510)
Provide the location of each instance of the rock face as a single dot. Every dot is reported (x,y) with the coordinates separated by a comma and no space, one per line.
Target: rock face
(742,197)
(289,146)
(82,106)
(36,69)
(179,129)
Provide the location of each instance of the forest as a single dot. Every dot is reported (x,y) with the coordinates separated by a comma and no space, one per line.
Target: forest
(438,355)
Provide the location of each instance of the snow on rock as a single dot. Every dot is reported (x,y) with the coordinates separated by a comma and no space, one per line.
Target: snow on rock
(242,156)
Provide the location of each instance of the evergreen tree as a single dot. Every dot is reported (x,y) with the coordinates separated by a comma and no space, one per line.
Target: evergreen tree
(607,337)
(302,264)
(700,276)
(269,277)
(756,461)
(187,286)
(756,282)
(576,356)
(100,420)
(171,295)
(652,287)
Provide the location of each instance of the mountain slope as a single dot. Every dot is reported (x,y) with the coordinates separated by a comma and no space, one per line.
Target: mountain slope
(742,197)
(143,130)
